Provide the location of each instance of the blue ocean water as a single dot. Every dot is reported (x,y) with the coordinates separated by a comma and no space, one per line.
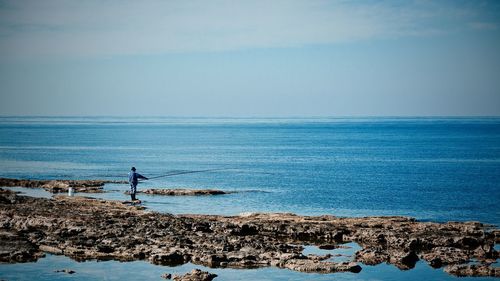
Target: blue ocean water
(436,169)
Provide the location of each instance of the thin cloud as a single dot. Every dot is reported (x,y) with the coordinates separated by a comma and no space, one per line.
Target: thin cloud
(97,28)
(483,25)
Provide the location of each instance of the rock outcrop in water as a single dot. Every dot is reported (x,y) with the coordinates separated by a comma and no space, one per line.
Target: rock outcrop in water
(481,270)
(181,192)
(58,186)
(84,228)
(194,275)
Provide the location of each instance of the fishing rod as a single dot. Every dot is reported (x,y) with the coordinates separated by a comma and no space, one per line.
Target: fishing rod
(184,172)
(181,172)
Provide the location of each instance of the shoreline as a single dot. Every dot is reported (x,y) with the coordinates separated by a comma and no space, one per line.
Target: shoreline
(97,186)
(84,228)
(59,186)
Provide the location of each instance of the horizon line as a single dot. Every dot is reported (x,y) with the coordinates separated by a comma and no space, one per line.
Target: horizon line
(250,116)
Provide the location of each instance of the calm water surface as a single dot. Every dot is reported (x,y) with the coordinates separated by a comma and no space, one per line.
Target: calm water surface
(432,169)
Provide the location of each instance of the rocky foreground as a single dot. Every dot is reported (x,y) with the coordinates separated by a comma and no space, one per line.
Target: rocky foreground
(84,228)
(59,186)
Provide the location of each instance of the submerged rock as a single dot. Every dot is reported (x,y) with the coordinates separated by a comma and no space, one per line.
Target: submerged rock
(68,271)
(166,276)
(181,192)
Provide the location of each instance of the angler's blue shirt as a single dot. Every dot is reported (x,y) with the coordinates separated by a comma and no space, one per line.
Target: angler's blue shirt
(133,178)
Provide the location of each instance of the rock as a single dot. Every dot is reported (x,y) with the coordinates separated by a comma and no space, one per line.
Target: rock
(403,260)
(166,276)
(473,270)
(181,192)
(371,256)
(58,186)
(50,249)
(306,265)
(86,228)
(327,247)
(195,275)
(486,252)
(14,247)
(68,271)
(244,230)
(7,191)
(440,256)
(171,258)
(320,257)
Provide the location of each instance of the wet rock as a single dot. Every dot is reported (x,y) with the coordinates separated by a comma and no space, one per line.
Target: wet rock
(166,276)
(7,191)
(14,247)
(403,260)
(58,186)
(195,275)
(244,230)
(371,256)
(307,265)
(171,258)
(68,271)
(473,270)
(486,252)
(440,256)
(496,234)
(320,257)
(85,228)
(50,249)
(327,247)
(181,192)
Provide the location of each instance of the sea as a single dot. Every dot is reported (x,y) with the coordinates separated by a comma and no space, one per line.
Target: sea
(432,169)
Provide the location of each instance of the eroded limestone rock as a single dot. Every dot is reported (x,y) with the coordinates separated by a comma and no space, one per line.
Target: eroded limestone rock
(473,270)
(181,192)
(58,186)
(195,275)
(85,228)
(15,247)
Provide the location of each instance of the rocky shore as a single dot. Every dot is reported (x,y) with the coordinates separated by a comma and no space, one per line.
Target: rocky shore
(59,186)
(84,228)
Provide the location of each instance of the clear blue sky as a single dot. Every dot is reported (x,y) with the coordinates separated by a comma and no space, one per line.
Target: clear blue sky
(250,58)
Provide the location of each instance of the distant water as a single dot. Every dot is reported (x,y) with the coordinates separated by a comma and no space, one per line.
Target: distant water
(432,169)
(436,169)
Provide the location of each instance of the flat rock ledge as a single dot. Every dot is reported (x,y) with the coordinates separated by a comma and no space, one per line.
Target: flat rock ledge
(86,228)
(473,270)
(58,186)
(181,192)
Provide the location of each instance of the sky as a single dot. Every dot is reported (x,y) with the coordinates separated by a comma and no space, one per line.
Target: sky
(249,58)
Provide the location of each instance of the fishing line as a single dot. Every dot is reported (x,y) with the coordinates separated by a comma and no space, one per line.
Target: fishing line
(185,172)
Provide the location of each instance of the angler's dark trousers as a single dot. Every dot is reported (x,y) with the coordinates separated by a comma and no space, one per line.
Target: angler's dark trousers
(133,190)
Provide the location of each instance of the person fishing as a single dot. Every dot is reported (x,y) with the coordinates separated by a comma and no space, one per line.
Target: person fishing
(133,179)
